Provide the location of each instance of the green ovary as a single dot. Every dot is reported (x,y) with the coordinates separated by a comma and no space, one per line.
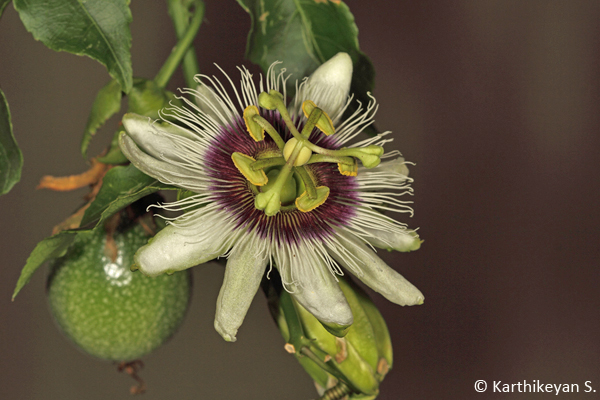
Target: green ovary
(288,193)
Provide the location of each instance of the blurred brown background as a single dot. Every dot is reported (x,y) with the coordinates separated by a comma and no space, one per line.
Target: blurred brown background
(495,101)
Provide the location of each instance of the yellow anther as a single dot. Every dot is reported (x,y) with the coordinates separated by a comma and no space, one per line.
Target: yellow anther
(254,129)
(324,123)
(243,163)
(348,169)
(306,204)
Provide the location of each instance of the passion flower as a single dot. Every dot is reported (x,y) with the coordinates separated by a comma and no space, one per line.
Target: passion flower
(277,185)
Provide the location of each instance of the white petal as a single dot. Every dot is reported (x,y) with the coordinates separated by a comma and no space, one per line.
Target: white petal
(376,273)
(175,249)
(397,239)
(211,104)
(244,271)
(329,85)
(321,295)
(166,172)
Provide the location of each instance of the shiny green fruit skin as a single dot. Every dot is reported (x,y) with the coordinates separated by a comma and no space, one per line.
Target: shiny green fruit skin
(106,309)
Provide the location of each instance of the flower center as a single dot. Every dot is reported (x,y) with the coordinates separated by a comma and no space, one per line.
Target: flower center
(287,195)
(283,180)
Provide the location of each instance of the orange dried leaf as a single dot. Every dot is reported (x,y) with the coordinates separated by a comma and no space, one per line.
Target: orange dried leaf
(66,183)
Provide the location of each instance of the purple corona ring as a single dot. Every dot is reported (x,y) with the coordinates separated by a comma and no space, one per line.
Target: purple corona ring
(276,185)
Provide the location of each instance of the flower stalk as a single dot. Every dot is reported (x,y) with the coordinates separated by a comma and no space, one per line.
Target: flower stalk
(181,48)
(179,14)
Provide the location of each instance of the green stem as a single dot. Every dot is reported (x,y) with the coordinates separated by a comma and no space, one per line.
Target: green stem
(297,337)
(303,345)
(179,15)
(308,352)
(181,48)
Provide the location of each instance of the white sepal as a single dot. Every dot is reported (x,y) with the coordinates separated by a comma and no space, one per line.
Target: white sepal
(175,249)
(166,172)
(154,138)
(376,274)
(244,271)
(322,297)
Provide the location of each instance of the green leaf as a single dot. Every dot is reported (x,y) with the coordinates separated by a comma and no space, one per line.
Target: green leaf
(304,34)
(11,158)
(121,186)
(52,247)
(3,4)
(96,28)
(106,104)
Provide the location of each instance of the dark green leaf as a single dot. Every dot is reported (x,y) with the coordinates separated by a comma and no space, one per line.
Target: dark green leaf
(11,159)
(301,33)
(95,28)
(106,104)
(304,34)
(52,247)
(121,186)
(3,4)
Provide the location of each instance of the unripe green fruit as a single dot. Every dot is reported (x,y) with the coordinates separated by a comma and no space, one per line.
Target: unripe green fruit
(108,310)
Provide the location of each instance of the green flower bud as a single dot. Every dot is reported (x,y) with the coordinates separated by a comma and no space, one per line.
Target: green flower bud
(351,366)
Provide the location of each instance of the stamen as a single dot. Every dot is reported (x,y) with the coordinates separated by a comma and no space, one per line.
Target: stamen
(256,131)
(288,191)
(323,123)
(244,163)
(348,169)
(305,204)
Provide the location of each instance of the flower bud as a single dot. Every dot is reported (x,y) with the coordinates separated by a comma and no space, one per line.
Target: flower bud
(354,365)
